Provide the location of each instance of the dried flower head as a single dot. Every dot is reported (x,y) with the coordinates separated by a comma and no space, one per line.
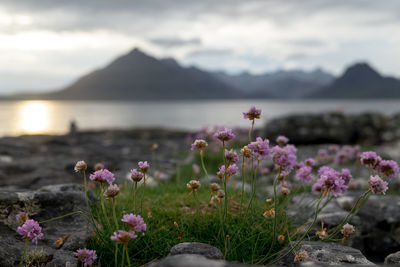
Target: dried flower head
(300,256)
(123,236)
(269,201)
(193,185)
(347,230)
(377,185)
(86,256)
(282,140)
(154,147)
(252,114)
(221,194)
(98,166)
(285,191)
(281,239)
(80,166)
(269,213)
(111,191)
(224,135)
(246,152)
(136,175)
(31,230)
(135,222)
(199,144)
(215,187)
(143,166)
(323,233)
(102,176)
(21,217)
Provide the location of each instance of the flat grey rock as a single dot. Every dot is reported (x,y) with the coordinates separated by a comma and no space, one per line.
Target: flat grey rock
(197,248)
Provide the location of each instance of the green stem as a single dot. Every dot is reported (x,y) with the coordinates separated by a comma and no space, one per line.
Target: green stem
(134,198)
(243,178)
(116,255)
(251,130)
(60,217)
(23,255)
(278,175)
(127,255)
(141,198)
(86,197)
(203,166)
(253,187)
(123,256)
(102,204)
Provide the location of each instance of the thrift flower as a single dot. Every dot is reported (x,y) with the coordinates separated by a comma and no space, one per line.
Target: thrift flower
(310,162)
(388,168)
(224,135)
(232,169)
(348,230)
(195,168)
(221,194)
(135,222)
(269,213)
(252,114)
(330,180)
(346,176)
(215,187)
(193,185)
(281,239)
(282,140)
(284,157)
(221,172)
(136,175)
(21,217)
(260,147)
(111,191)
(231,156)
(143,166)
(377,185)
(304,174)
(323,233)
(245,152)
(102,176)
(199,144)
(31,230)
(300,256)
(98,166)
(86,256)
(123,236)
(370,159)
(80,166)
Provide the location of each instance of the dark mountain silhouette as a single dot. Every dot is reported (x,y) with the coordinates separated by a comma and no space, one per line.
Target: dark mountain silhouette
(279,84)
(137,76)
(360,81)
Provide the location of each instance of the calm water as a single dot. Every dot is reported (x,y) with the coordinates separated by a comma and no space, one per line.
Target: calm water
(30,117)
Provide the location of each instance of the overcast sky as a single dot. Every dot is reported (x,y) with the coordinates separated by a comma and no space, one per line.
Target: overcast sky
(46,44)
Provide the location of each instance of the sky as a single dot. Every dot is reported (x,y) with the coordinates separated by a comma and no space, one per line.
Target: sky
(47,44)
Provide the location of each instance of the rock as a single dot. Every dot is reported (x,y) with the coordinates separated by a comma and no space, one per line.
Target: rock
(44,204)
(393,259)
(197,248)
(325,254)
(193,260)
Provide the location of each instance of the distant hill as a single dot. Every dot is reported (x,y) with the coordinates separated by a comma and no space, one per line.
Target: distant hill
(280,84)
(360,81)
(137,76)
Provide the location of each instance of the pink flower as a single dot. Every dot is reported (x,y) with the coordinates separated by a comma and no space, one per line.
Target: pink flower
(199,144)
(388,168)
(136,175)
(260,147)
(231,156)
(143,166)
(232,169)
(304,174)
(224,135)
(86,256)
(282,140)
(252,114)
(31,230)
(123,236)
(370,159)
(195,168)
(377,185)
(135,222)
(330,180)
(285,158)
(102,176)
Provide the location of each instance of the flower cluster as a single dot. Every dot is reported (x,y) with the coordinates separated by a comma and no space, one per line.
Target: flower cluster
(143,166)
(282,140)
(304,174)
(80,166)
(285,158)
(199,144)
(224,135)
(112,191)
(231,156)
(260,147)
(193,185)
(134,222)
(122,236)
(136,175)
(231,170)
(102,176)
(31,230)
(331,180)
(377,185)
(21,217)
(370,159)
(86,256)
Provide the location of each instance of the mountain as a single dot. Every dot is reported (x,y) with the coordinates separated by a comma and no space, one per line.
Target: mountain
(360,81)
(137,76)
(279,84)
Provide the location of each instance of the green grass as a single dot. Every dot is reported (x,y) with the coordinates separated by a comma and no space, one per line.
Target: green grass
(250,233)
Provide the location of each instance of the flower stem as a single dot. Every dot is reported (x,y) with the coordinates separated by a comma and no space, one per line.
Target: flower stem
(243,178)
(86,198)
(144,188)
(127,255)
(116,255)
(102,204)
(134,198)
(253,187)
(123,256)
(278,175)
(23,255)
(202,164)
(60,217)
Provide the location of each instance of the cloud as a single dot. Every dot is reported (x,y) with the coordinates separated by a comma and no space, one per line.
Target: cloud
(174,42)
(209,53)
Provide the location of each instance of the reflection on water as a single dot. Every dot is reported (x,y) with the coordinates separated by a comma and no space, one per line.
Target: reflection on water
(34,117)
